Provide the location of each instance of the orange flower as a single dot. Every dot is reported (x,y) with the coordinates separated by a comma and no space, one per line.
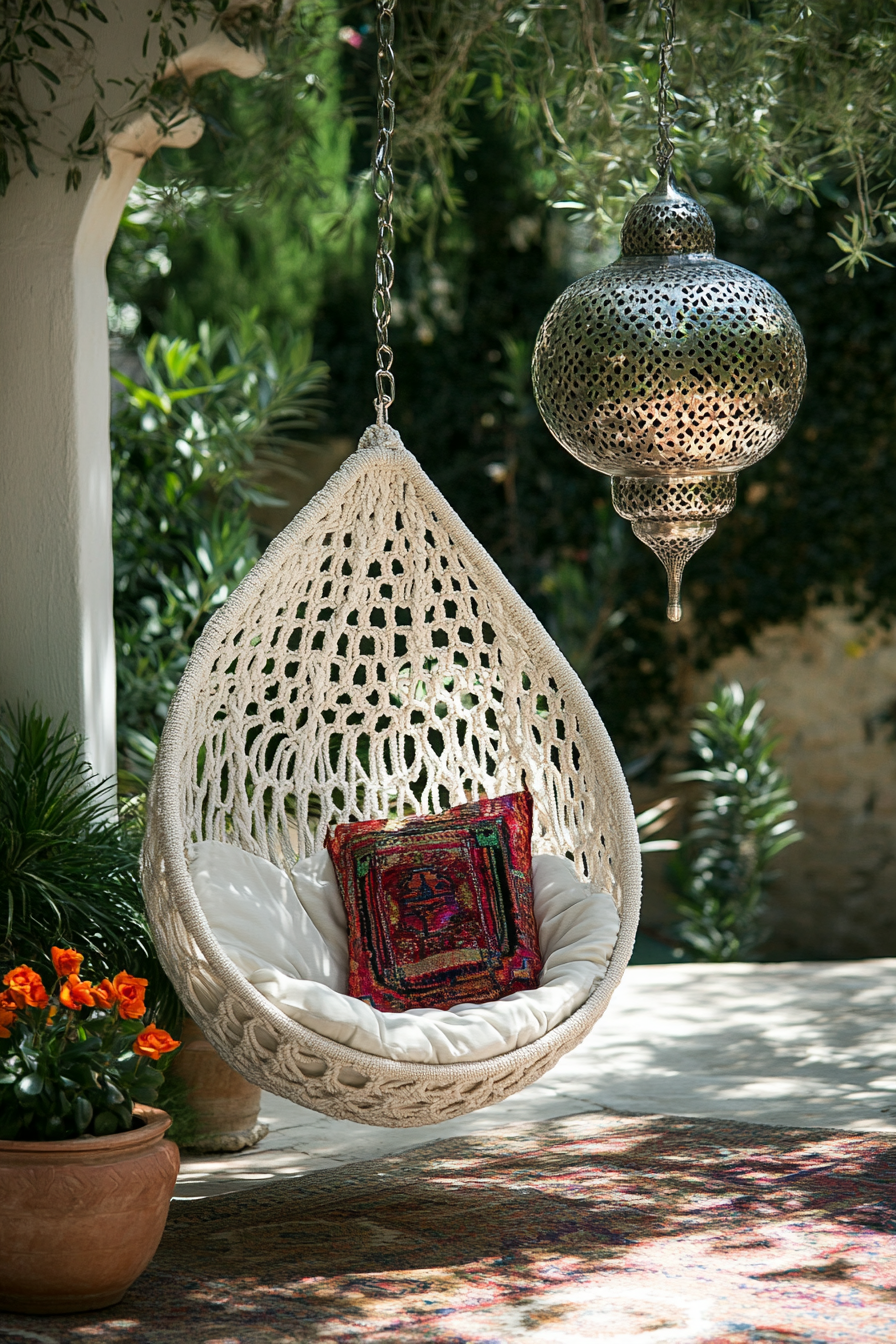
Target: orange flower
(26,987)
(129,991)
(7,1001)
(66,961)
(7,1017)
(104,994)
(153,1042)
(76,993)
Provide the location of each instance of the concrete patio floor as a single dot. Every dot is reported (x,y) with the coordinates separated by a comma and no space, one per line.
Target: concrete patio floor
(796,1043)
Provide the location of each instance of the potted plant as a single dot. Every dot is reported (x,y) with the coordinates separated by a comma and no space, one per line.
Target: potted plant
(69,858)
(85,1169)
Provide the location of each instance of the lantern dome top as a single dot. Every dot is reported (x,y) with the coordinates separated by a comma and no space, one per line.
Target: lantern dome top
(666,221)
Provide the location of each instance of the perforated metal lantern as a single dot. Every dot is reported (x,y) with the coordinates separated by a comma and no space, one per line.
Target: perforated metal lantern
(670,371)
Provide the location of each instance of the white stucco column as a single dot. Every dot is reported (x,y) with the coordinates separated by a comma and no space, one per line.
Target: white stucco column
(56,635)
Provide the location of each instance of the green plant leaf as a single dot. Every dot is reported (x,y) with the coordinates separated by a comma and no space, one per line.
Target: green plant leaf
(145,1094)
(105,1122)
(82,1113)
(46,72)
(30,1087)
(88,127)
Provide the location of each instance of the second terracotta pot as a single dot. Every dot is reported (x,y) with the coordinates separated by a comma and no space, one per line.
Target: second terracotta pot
(226,1105)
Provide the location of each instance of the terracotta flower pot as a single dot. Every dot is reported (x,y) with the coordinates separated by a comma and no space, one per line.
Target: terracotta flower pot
(226,1105)
(83,1217)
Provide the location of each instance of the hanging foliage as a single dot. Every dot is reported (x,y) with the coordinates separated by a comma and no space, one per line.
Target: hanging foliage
(787,92)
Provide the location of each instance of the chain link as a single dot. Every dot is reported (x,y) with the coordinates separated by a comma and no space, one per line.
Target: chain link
(664,148)
(383,190)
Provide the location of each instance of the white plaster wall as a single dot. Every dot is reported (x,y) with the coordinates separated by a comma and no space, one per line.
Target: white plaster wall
(55,512)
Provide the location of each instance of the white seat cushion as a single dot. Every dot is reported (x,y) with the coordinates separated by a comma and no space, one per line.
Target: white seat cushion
(288,936)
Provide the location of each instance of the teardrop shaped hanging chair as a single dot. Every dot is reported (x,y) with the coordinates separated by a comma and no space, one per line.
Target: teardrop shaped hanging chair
(374,662)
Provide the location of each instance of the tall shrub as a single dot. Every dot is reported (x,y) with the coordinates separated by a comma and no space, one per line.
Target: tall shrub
(190,445)
(741,822)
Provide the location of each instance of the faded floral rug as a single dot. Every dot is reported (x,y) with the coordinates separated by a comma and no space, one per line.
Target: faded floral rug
(596,1227)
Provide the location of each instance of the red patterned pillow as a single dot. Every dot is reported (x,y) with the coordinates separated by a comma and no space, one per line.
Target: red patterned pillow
(440,908)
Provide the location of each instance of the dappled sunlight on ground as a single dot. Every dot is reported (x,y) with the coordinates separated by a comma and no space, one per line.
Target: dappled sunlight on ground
(806,1043)
(605,1228)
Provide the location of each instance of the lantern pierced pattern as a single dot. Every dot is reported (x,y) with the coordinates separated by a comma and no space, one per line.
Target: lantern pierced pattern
(670,370)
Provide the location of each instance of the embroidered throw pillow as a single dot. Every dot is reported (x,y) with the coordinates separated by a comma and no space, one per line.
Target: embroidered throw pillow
(440,908)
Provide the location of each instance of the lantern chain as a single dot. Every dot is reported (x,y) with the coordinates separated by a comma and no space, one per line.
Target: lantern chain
(664,119)
(383,190)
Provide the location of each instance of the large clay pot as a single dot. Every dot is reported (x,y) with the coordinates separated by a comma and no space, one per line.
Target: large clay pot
(83,1217)
(226,1105)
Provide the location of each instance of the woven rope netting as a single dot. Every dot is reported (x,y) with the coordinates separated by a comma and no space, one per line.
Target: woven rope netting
(374,663)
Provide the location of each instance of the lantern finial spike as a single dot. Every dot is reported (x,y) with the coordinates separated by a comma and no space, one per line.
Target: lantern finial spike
(674,562)
(673,607)
(673,543)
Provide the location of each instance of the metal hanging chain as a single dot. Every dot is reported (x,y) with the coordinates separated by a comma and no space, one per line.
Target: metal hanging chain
(664,147)
(383,190)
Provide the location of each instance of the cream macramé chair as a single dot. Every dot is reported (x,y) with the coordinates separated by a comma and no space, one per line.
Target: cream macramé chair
(374,662)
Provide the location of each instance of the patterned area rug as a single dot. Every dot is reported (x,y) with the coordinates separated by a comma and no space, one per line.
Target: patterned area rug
(596,1227)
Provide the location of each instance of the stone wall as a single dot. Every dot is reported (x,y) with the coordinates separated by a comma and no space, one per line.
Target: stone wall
(832,691)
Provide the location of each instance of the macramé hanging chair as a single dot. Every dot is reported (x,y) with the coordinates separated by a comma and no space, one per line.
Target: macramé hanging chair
(374,663)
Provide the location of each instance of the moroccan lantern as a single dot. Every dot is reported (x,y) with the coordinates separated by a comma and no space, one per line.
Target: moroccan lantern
(669,370)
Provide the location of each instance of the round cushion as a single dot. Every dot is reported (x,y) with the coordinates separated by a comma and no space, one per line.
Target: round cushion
(287,934)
